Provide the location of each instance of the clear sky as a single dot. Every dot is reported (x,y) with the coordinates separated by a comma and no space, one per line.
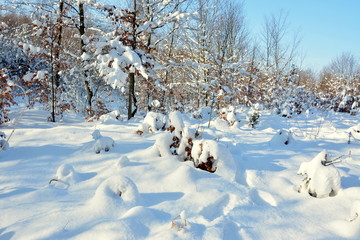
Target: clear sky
(327,27)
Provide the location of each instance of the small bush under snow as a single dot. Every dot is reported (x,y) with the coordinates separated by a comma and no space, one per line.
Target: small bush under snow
(321,180)
(176,123)
(102,143)
(205,154)
(228,115)
(153,122)
(282,137)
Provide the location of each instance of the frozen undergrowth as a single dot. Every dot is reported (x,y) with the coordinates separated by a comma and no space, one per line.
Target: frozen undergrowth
(131,192)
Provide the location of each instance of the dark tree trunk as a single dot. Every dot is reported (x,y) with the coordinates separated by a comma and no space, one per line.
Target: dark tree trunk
(58,43)
(89,92)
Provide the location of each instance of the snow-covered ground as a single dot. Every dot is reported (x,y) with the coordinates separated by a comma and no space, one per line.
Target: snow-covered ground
(54,186)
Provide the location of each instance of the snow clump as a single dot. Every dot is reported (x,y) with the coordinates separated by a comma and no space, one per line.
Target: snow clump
(205,154)
(321,179)
(3,143)
(282,137)
(152,122)
(102,143)
(177,123)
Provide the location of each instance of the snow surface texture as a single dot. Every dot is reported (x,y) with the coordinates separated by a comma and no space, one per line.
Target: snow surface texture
(321,180)
(252,194)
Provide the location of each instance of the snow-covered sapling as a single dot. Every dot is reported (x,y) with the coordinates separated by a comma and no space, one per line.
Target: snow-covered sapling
(179,222)
(228,115)
(322,179)
(253,117)
(102,143)
(3,143)
(282,137)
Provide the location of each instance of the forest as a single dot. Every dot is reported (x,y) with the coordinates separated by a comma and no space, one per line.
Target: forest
(94,57)
(174,120)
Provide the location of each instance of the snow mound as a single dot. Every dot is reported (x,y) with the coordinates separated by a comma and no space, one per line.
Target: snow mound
(282,137)
(183,179)
(116,194)
(67,173)
(102,143)
(321,180)
(355,211)
(122,162)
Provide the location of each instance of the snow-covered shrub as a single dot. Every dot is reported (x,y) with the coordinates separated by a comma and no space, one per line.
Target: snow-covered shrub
(205,154)
(152,122)
(3,143)
(282,137)
(229,115)
(122,162)
(102,143)
(164,144)
(354,211)
(176,123)
(322,179)
(253,116)
(186,143)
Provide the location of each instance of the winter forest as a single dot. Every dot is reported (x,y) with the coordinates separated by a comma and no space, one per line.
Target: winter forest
(172,119)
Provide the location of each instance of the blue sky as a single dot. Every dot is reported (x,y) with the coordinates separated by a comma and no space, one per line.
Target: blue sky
(327,27)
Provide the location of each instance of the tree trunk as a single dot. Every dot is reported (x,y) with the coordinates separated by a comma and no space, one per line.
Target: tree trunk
(89,92)
(132,98)
(58,43)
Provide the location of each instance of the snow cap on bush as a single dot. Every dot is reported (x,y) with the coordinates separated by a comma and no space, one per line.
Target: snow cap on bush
(102,143)
(282,137)
(321,180)
(177,122)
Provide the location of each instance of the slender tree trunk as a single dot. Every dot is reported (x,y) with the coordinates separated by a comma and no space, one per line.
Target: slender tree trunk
(89,92)
(58,43)
(132,98)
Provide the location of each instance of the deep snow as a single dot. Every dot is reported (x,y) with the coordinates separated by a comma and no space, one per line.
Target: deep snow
(130,192)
